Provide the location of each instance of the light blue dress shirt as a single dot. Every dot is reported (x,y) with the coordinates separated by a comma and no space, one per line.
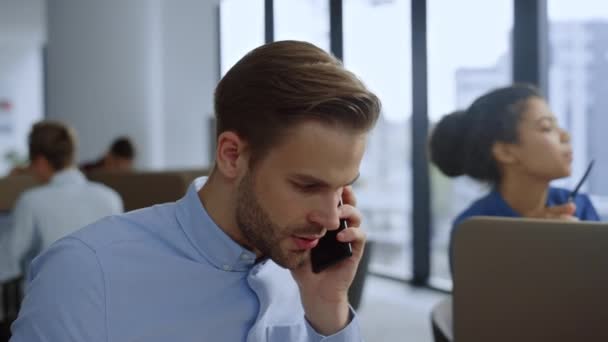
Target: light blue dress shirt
(46,213)
(163,273)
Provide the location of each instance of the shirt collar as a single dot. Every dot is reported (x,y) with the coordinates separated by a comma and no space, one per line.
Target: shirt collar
(500,205)
(68,176)
(207,237)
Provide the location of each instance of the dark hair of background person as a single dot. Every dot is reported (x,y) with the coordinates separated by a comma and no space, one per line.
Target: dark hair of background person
(123,147)
(54,141)
(461,143)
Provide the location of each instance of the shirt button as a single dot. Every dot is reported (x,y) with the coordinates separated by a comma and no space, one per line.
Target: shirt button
(245,256)
(227,267)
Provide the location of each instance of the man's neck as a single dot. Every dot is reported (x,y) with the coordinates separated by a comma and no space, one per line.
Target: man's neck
(524,194)
(221,206)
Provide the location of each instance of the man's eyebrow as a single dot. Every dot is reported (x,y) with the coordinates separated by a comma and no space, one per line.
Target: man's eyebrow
(311,179)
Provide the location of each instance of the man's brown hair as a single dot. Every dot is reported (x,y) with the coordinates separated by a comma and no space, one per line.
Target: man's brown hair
(284,83)
(54,141)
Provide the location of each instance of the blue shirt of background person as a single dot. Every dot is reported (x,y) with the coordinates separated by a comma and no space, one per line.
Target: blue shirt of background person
(510,139)
(494,205)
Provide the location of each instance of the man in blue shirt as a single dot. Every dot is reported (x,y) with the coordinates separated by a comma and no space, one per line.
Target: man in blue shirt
(65,203)
(231,260)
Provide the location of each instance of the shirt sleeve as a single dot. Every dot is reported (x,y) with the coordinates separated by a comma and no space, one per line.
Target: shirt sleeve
(351,332)
(65,297)
(17,239)
(588,212)
(306,333)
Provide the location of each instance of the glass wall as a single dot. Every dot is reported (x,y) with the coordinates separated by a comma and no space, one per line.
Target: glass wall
(469,53)
(241,29)
(21,101)
(302,20)
(377,47)
(578,83)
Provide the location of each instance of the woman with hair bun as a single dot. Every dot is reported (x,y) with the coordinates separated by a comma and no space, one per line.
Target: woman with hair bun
(510,139)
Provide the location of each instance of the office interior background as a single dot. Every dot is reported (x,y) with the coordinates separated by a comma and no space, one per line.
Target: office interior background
(147,69)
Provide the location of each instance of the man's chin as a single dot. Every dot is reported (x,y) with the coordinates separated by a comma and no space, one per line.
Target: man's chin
(294,261)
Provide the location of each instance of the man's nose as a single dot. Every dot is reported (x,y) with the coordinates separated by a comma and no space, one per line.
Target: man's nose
(565,136)
(327,216)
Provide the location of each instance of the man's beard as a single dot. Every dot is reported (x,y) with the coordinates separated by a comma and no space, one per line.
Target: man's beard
(259,230)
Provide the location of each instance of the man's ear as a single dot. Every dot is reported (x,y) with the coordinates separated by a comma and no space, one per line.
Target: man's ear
(231,155)
(40,162)
(504,153)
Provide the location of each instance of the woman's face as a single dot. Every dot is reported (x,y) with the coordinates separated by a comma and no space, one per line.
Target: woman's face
(543,149)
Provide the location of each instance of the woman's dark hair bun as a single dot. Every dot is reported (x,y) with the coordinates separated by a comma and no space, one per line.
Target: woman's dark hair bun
(448,144)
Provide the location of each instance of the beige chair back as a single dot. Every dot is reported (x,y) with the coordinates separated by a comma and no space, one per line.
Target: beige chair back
(143,189)
(530,280)
(11,187)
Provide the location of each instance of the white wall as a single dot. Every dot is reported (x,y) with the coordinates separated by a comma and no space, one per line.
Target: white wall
(22,21)
(191,64)
(102,73)
(145,68)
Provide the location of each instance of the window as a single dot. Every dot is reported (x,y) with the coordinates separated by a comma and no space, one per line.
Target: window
(302,20)
(241,29)
(468,54)
(21,101)
(377,48)
(578,82)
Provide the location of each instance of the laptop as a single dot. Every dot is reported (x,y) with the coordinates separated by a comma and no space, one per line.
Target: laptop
(530,280)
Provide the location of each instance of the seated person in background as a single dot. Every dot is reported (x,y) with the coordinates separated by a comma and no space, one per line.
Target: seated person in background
(230,261)
(46,213)
(119,157)
(510,139)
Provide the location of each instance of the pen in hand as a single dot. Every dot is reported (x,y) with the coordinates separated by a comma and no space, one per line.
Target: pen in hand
(574,192)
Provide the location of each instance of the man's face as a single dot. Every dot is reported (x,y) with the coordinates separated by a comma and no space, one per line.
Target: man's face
(290,198)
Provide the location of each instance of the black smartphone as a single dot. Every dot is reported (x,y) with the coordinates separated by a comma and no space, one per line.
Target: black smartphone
(329,250)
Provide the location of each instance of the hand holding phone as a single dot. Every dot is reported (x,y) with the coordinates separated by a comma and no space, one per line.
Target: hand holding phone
(325,295)
(329,250)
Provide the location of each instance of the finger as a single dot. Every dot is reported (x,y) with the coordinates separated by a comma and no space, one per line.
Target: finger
(352,235)
(351,214)
(348,196)
(568,218)
(564,209)
(356,237)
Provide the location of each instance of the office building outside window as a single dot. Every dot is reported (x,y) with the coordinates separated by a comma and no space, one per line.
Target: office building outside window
(468,55)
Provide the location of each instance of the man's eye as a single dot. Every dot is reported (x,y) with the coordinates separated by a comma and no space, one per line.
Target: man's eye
(309,187)
(547,128)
